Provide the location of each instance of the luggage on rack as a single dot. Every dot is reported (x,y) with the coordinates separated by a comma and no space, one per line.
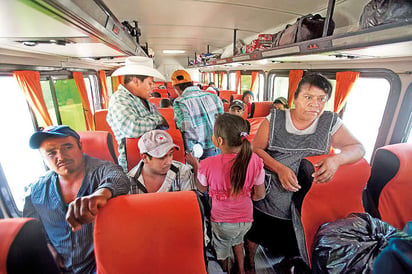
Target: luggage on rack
(306,28)
(378,12)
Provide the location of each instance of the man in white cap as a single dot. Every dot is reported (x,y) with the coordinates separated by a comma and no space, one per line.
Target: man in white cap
(130,114)
(157,171)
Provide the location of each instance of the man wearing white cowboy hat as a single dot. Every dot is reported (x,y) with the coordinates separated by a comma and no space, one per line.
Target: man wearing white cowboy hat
(130,114)
(157,171)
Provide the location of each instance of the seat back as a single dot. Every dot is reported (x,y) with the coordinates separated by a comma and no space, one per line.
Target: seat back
(236,97)
(133,153)
(254,126)
(155,101)
(226,107)
(23,247)
(150,233)
(389,189)
(163,92)
(260,109)
(333,200)
(102,125)
(169,116)
(172,93)
(226,94)
(98,144)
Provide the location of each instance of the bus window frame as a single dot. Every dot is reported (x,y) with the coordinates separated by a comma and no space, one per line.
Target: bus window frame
(403,124)
(248,72)
(8,207)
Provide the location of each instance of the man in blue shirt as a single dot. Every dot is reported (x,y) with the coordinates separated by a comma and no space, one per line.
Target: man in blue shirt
(67,199)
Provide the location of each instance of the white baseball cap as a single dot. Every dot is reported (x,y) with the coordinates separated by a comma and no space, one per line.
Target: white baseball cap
(156,143)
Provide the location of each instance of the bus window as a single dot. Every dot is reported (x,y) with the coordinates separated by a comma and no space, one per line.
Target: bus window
(21,164)
(109,86)
(280,87)
(245,82)
(364,110)
(70,104)
(48,99)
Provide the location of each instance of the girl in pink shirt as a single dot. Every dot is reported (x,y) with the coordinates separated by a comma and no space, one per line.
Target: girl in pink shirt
(233,178)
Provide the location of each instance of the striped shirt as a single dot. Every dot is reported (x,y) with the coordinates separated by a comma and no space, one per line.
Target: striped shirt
(128,117)
(45,203)
(178,178)
(195,113)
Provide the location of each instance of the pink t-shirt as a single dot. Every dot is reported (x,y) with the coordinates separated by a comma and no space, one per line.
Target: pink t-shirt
(214,172)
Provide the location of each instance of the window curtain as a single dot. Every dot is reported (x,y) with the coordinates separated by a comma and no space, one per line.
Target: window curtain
(221,79)
(214,77)
(344,84)
(104,92)
(116,81)
(294,78)
(81,86)
(237,81)
(255,75)
(29,82)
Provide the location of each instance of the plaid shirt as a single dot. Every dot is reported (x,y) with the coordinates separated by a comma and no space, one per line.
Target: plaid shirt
(128,117)
(178,178)
(195,113)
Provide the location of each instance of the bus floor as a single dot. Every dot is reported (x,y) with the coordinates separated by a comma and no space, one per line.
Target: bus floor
(264,263)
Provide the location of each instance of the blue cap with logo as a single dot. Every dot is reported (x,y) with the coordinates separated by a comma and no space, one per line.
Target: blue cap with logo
(53,131)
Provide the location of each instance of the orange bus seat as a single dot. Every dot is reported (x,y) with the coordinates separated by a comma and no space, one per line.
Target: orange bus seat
(23,247)
(226,94)
(389,190)
(101,124)
(163,92)
(172,93)
(169,85)
(133,153)
(155,101)
(150,233)
(254,126)
(169,115)
(261,109)
(334,200)
(226,107)
(157,84)
(98,144)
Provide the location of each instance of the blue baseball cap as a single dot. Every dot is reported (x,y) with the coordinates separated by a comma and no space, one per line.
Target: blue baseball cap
(53,131)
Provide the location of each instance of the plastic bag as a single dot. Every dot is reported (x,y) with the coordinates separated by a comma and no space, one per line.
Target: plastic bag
(378,12)
(351,245)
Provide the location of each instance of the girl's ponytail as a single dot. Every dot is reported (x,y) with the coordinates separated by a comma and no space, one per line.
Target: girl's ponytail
(239,167)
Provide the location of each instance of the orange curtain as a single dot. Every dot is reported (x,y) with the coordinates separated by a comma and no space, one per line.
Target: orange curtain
(104,92)
(29,82)
(221,79)
(294,78)
(254,77)
(344,84)
(78,78)
(237,81)
(214,77)
(116,81)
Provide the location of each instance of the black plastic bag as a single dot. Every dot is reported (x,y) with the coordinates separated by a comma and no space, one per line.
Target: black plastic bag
(378,12)
(351,245)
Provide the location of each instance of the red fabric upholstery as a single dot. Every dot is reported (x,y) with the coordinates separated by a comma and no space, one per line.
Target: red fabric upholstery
(261,109)
(163,92)
(172,93)
(133,154)
(169,115)
(98,144)
(254,126)
(169,85)
(226,94)
(101,124)
(226,107)
(333,200)
(150,233)
(155,101)
(395,206)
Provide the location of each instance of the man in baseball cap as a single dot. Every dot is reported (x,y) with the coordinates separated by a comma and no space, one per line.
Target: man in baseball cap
(195,113)
(237,107)
(68,197)
(130,114)
(157,171)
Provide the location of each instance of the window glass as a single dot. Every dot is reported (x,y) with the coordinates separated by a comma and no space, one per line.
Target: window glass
(245,82)
(232,81)
(261,79)
(224,82)
(70,104)
(21,164)
(48,99)
(280,88)
(364,110)
(109,85)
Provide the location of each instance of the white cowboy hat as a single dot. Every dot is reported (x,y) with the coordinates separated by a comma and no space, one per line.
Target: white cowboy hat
(138,65)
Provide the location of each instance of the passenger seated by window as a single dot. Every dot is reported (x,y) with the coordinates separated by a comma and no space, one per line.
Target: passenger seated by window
(157,171)
(165,103)
(237,107)
(282,140)
(280,103)
(234,178)
(212,87)
(69,196)
(248,99)
(155,94)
